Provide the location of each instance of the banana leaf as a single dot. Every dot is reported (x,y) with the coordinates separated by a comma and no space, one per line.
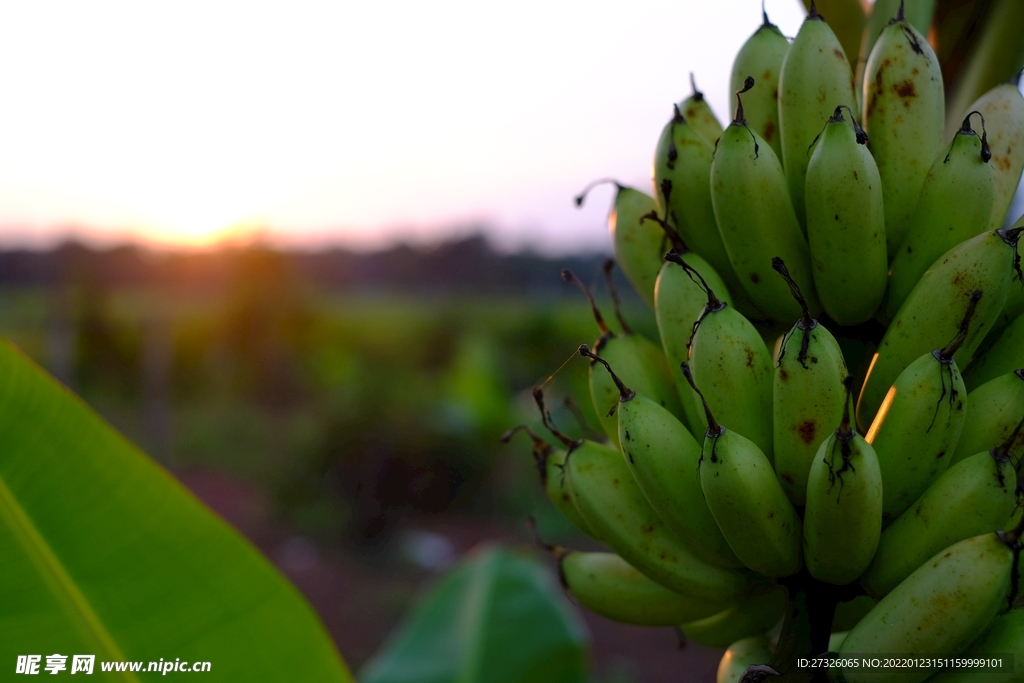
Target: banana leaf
(104,553)
(497,617)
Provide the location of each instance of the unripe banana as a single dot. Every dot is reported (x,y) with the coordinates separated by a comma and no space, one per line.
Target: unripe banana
(904,113)
(663,459)
(933,311)
(640,362)
(741,655)
(762,56)
(847,19)
(734,368)
(748,503)
(808,397)
(696,110)
(608,498)
(955,205)
(638,245)
(678,302)
(919,423)
(918,13)
(940,608)
(815,79)
(843,517)
(1005,354)
(753,616)
(975,496)
(846,223)
(606,584)
(994,409)
(1003,109)
(1004,637)
(756,219)
(681,176)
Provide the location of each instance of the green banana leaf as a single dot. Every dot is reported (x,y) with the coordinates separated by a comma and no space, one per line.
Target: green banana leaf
(103,553)
(497,617)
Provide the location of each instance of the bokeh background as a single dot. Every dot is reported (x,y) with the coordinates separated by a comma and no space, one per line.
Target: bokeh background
(307,257)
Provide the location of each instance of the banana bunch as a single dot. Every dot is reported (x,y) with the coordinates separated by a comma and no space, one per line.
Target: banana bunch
(822,452)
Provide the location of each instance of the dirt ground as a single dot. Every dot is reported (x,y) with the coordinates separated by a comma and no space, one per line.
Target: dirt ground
(361,600)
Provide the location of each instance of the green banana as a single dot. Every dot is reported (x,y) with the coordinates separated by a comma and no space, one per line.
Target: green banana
(808,396)
(681,173)
(1003,108)
(918,13)
(638,245)
(843,517)
(663,459)
(919,423)
(993,409)
(975,496)
(762,55)
(846,222)
(640,363)
(607,497)
(732,363)
(847,20)
(549,462)
(741,655)
(904,113)
(1004,638)
(753,616)
(932,313)
(607,585)
(835,640)
(678,302)
(748,502)
(940,608)
(955,205)
(756,219)
(696,110)
(1005,354)
(814,80)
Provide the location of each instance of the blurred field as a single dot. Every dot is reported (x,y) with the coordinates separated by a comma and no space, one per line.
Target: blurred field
(347,422)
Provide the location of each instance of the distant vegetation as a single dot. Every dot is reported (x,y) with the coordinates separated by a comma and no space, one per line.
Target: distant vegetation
(354,388)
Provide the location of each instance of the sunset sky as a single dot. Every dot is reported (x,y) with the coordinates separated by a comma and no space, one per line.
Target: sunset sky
(358,123)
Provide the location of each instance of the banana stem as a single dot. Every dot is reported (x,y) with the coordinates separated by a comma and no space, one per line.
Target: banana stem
(714,303)
(678,245)
(1001,453)
(541,449)
(608,266)
(806,322)
(571,278)
(625,393)
(945,355)
(545,417)
(697,95)
(714,429)
(673,153)
(739,119)
(986,153)
(845,431)
(805,631)
(586,190)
